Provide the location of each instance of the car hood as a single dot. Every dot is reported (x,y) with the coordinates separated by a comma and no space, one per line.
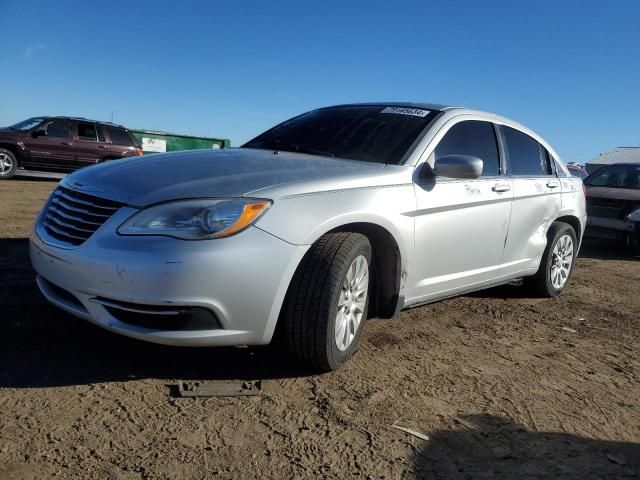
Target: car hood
(7,132)
(614,193)
(236,172)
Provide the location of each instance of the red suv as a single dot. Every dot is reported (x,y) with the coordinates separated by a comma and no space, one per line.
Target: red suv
(62,144)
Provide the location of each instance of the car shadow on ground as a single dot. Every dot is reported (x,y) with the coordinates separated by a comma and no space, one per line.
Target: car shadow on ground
(510,290)
(487,446)
(41,345)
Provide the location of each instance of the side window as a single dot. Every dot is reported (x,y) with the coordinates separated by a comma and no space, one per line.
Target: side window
(87,132)
(58,128)
(119,136)
(474,138)
(526,156)
(548,165)
(100,134)
(558,167)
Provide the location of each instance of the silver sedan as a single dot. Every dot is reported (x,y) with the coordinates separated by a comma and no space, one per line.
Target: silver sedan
(330,218)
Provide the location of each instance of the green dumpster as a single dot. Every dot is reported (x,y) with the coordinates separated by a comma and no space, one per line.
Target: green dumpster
(153,141)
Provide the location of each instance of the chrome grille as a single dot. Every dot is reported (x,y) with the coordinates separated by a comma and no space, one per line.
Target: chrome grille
(72,217)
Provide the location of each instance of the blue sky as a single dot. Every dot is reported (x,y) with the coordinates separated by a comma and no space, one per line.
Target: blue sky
(568,69)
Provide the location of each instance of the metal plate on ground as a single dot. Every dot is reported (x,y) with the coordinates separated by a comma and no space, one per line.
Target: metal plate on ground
(220,389)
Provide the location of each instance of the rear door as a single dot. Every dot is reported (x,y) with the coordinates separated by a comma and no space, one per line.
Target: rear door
(54,149)
(461,225)
(91,145)
(536,200)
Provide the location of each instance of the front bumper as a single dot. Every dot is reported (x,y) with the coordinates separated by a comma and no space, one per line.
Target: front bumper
(242,280)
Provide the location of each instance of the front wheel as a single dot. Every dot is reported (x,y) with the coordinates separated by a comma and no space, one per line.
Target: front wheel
(557,261)
(8,164)
(326,305)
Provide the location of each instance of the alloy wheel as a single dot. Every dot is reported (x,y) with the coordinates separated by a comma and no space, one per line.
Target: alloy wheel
(352,302)
(6,163)
(561,261)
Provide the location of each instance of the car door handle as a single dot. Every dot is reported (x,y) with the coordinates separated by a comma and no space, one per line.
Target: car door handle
(102,146)
(552,184)
(501,187)
(68,144)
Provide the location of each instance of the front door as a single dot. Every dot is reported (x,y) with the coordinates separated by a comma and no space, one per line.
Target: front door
(53,146)
(461,225)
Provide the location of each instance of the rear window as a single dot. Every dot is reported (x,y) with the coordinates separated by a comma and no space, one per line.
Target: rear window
(370,133)
(119,136)
(526,156)
(616,176)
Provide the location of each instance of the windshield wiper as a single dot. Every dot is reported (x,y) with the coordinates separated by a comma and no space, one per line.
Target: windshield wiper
(311,151)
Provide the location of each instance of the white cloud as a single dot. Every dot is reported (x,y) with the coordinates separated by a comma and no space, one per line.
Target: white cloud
(32,50)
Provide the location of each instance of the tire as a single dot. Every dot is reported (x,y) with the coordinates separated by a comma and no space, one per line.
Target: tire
(8,164)
(319,292)
(552,276)
(632,243)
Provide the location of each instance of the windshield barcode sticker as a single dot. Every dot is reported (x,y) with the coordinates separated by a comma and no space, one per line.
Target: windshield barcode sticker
(416,112)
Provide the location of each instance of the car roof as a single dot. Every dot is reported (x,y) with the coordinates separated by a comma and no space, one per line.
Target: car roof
(426,106)
(452,111)
(82,119)
(619,164)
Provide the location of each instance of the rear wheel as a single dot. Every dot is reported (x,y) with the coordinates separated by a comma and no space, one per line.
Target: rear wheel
(326,305)
(557,261)
(8,164)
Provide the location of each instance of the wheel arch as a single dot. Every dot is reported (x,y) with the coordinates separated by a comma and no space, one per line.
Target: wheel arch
(387,274)
(574,222)
(13,149)
(387,266)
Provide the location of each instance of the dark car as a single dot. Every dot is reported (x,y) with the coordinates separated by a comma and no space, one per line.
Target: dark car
(62,144)
(613,203)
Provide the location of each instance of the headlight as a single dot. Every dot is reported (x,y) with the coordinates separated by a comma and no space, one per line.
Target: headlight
(196,219)
(634,216)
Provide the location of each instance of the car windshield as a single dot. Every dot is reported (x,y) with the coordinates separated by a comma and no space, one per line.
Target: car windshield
(27,124)
(369,133)
(616,176)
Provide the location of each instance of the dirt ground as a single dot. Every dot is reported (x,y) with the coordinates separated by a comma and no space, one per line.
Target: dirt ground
(495,380)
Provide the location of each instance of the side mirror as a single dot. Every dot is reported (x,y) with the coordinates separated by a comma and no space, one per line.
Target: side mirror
(39,133)
(458,166)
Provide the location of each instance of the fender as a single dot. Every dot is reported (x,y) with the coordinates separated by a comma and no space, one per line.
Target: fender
(389,207)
